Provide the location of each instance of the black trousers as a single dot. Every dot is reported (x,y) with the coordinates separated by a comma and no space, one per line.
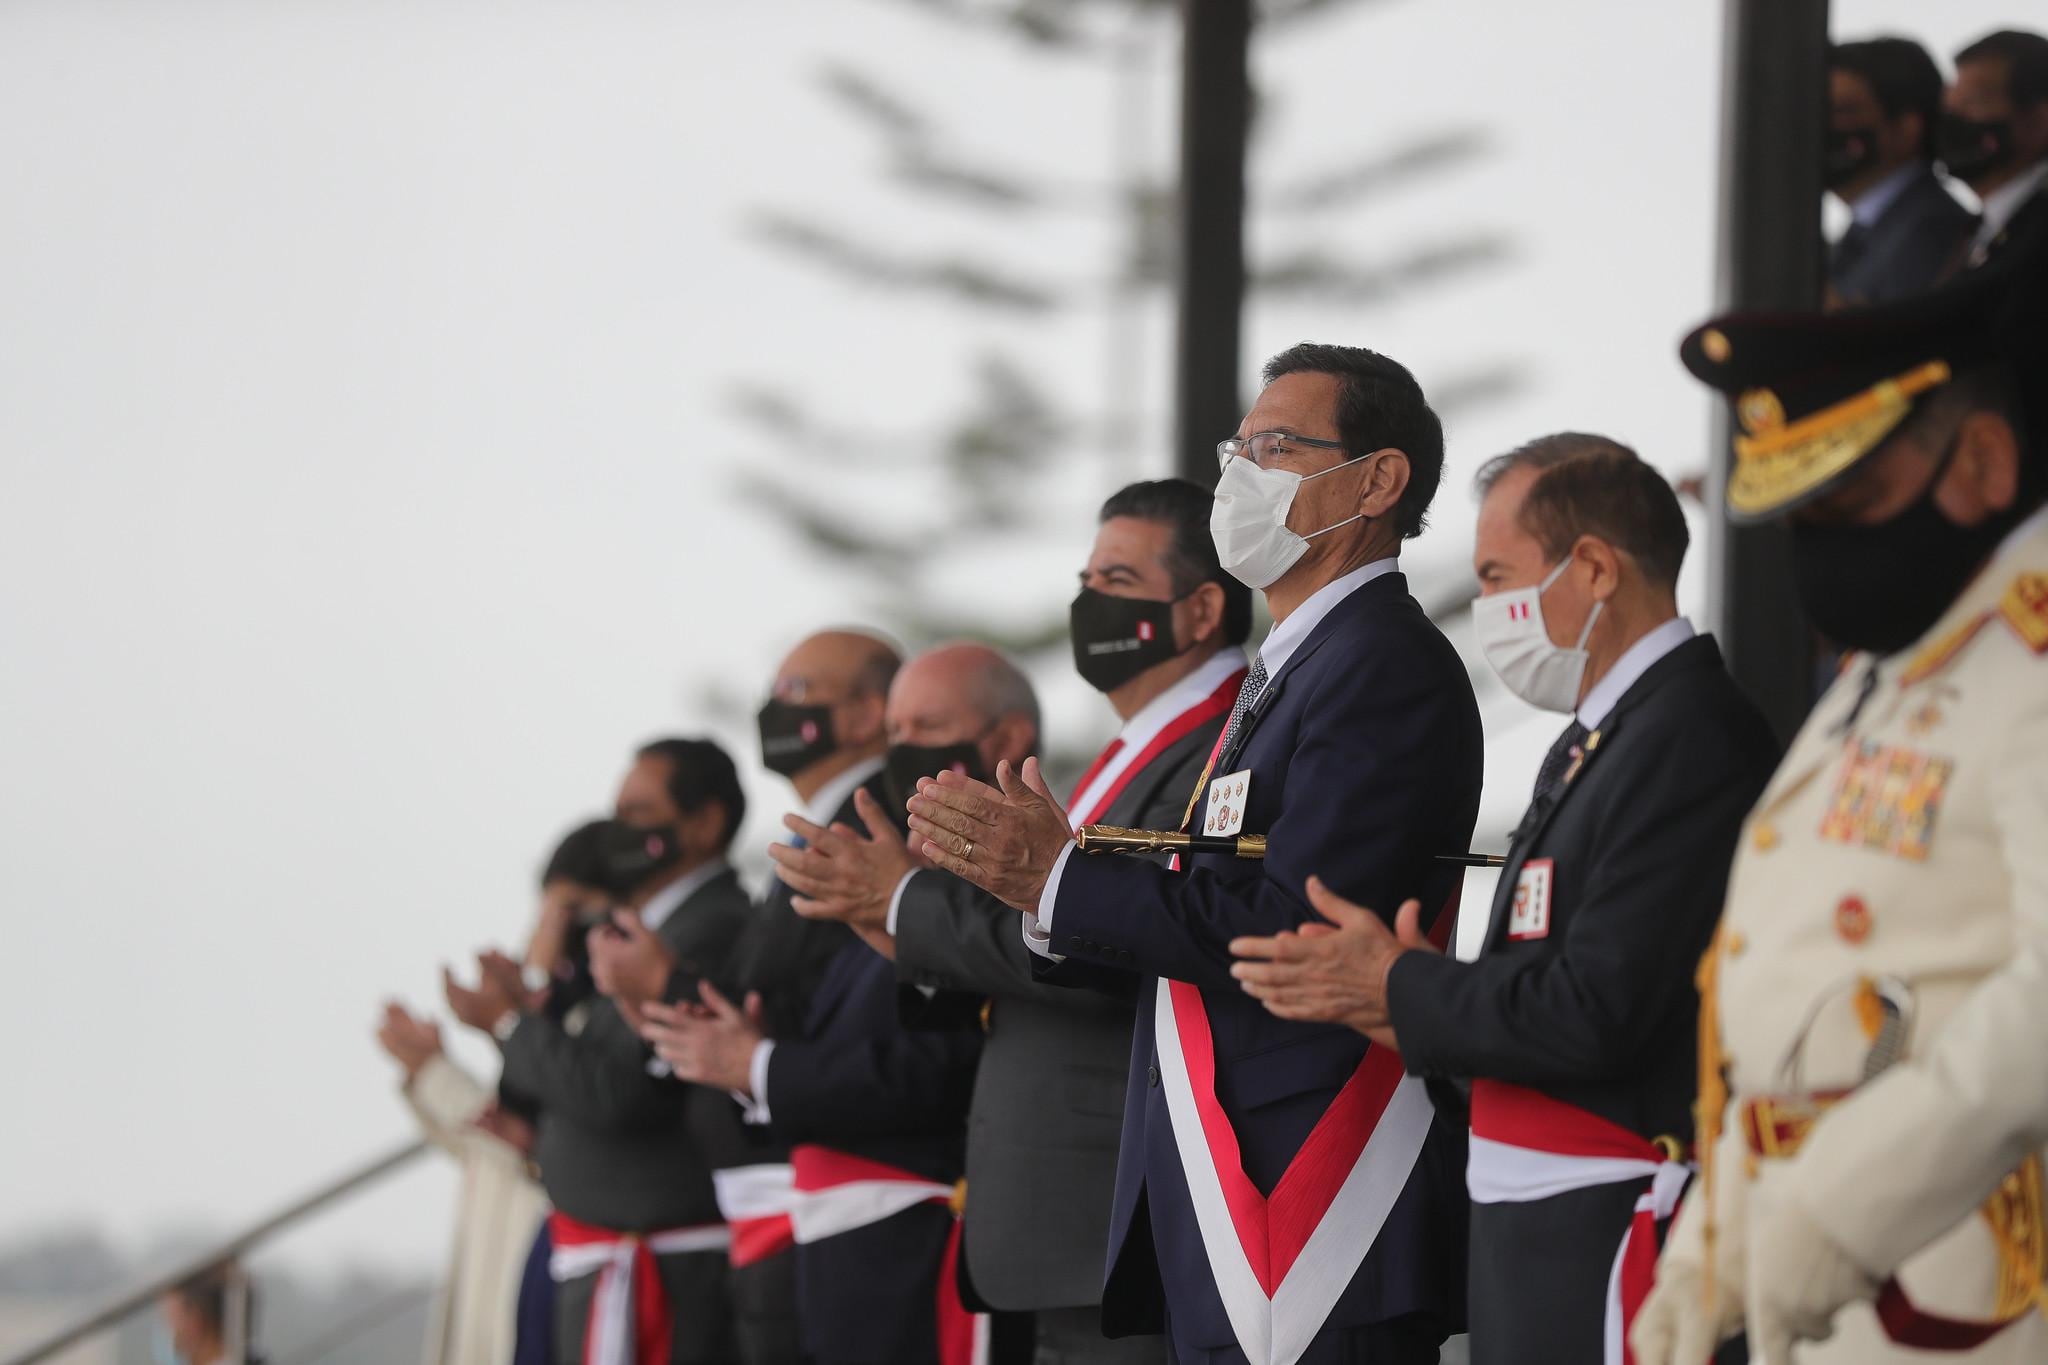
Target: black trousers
(1537,1294)
(764,1319)
(1073,1336)
(695,1281)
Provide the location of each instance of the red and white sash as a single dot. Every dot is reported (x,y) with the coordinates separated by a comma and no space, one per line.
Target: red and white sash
(755,1201)
(1216,704)
(1528,1146)
(631,1319)
(822,1193)
(1281,1261)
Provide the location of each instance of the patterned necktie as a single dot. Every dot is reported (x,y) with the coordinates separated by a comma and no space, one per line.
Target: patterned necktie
(1550,777)
(1254,683)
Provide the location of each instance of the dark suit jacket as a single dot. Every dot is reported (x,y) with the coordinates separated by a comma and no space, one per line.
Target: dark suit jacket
(1907,250)
(615,1145)
(1601,1012)
(1049,1101)
(845,1074)
(1364,752)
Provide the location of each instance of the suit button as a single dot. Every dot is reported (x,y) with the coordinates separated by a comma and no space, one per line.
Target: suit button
(1152,1075)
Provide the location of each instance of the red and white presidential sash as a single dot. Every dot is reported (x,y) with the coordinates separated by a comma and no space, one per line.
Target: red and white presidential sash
(1281,1261)
(1527,1146)
(631,1319)
(1211,707)
(822,1193)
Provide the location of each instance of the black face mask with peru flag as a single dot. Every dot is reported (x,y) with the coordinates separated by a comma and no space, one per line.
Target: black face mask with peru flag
(1117,638)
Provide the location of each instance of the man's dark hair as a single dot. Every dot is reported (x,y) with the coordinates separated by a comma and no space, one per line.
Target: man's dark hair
(579,858)
(1903,77)
(700,771)
(1191,553)
(2026,62)
(1591,486)
(1379,405)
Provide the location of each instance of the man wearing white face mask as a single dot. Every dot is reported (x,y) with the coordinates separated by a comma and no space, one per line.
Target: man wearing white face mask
(1576,1025)
(1284,1194)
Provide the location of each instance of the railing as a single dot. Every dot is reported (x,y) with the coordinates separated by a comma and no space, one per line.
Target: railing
(117,1307)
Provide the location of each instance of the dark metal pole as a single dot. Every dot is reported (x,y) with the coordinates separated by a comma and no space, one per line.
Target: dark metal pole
(1215,104)
(1773,122)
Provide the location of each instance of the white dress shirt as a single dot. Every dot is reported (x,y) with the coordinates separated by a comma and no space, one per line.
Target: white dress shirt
(2001,204)
(1280,645)
(819,810)
(1633,663)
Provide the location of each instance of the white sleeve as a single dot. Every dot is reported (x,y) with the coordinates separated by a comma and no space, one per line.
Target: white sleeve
(1038,926)
(754,1107)
(896,902)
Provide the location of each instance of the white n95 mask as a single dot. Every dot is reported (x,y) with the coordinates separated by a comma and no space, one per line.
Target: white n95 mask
(1249,520)
(1518,646)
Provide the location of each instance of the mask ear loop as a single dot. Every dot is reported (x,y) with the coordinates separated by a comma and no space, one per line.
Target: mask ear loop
(1586,633)
(1360,516)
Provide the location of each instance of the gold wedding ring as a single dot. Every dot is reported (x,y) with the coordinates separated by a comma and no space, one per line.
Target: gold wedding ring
(968,852)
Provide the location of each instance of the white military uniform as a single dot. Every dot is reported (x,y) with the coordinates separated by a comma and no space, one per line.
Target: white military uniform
(1901,851)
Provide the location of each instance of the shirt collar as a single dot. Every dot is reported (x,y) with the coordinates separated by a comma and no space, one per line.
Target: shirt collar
(1633,663)
(1872,203)
(669,899)
(823,808)
(2002,203)
(1155,715)
(1286,637)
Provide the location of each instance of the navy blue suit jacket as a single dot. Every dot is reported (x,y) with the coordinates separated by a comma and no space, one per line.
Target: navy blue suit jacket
(1365,755)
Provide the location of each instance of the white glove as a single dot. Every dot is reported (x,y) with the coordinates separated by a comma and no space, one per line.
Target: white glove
(1798,1280)
(1677,1325)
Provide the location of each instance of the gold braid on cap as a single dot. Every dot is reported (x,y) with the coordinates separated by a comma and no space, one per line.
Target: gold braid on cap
(1776,461)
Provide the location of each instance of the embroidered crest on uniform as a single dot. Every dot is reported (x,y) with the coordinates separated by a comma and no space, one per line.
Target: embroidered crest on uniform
(1226,802)
(2025,609)
(1529,912)
(1887,797)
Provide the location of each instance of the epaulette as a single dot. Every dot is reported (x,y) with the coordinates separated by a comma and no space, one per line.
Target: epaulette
(1938,654)
(2025,609)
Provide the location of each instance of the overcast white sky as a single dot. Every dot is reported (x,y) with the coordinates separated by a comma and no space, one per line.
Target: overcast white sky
(366,479)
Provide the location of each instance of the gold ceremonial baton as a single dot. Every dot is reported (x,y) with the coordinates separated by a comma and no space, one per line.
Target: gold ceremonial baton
(1113,839)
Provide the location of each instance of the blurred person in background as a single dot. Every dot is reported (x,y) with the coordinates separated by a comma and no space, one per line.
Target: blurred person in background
(1884,103)
(838,1097)
(194,1328)
(500,1209)
(638,1246)
(1993,137)
(1577,1024)
(965,707)
(1157,627)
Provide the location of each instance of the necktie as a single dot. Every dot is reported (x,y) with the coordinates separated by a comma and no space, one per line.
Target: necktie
(1550,777)
(1254,683)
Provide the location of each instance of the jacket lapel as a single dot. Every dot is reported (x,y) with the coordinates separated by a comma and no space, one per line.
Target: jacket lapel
(1700,651)
(1317,638)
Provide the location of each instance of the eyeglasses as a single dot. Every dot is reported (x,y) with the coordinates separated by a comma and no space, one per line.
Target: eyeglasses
(1263,447)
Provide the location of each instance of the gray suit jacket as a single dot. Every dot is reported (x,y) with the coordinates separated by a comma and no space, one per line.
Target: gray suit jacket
(1048,1105)
(616,1146)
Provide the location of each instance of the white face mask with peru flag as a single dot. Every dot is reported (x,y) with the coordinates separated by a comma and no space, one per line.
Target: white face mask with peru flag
(1518,645)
